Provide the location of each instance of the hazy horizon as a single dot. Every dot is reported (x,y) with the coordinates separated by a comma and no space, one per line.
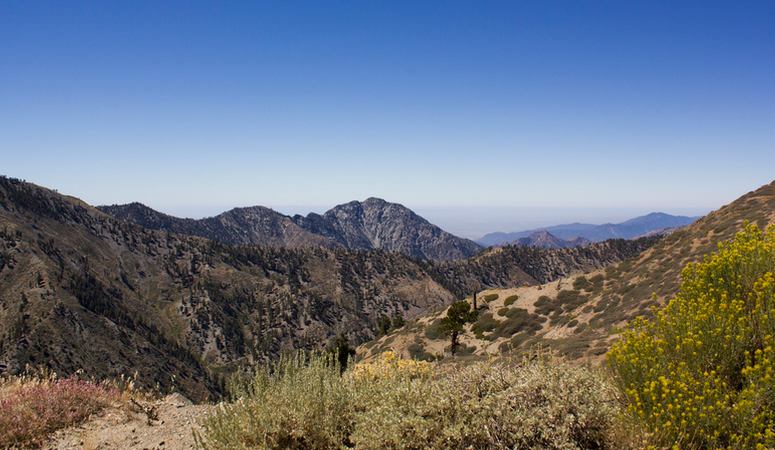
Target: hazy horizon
(467,221)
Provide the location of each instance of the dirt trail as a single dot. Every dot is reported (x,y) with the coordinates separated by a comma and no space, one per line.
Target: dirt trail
(130,428)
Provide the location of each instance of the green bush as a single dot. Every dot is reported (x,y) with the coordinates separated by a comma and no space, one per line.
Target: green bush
(510,300)
(490,297)
(532,403)
(484,323)
(582,284)
(299,402)
(570,300)
(545,305)
(701,374)
(518,320)
(417,351)
(435,330)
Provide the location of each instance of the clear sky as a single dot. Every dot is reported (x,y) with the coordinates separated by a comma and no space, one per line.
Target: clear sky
(587,107)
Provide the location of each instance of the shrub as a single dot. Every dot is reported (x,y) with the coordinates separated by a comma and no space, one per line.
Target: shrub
(518,320)
(582,284)
(701,373)
(597,281)
(490,297)
(390,366)
(417,351)
(435,330)
(545,305)
(298,402)
(33,408)
(484,324)
(510,300)
(570,300)
(395,403)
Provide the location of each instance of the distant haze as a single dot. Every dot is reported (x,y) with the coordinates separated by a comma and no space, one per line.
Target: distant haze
(474,222)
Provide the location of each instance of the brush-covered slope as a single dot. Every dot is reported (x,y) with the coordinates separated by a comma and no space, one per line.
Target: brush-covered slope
(580,314)
(254,225)
(80,289)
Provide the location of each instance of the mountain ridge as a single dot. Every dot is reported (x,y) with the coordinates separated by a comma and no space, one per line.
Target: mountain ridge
(631,228)
(357,225)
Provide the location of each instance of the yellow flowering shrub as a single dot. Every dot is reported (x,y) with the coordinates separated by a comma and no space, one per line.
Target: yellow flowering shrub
(391,365)
(701,373)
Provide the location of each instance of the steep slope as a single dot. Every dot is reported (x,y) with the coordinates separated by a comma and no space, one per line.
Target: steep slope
(239,226)
(80,289)
(377,224)
(639,226)
(370,225)
(579,315)
(502,267)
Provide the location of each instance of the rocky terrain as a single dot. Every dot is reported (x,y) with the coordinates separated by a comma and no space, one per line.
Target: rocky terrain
(373,224)
(83,290)
(579,313)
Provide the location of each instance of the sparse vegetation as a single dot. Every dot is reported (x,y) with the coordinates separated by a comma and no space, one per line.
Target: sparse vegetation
(394,403)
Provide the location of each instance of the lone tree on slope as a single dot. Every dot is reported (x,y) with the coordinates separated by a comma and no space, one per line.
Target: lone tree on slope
(458,314)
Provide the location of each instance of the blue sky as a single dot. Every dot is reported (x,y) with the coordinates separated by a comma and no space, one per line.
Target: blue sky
(528,111)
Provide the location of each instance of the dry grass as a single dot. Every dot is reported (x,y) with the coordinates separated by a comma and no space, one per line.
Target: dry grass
(38,403)
(35,406)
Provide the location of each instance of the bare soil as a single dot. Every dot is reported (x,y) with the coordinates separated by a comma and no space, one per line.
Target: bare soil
(167,423)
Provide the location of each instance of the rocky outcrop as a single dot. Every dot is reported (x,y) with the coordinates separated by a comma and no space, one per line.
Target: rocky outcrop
(377,224)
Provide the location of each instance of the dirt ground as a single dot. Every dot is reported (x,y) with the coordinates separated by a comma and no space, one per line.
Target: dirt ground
(168,424)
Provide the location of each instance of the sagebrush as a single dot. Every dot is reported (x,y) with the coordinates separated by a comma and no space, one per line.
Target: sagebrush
(304,402)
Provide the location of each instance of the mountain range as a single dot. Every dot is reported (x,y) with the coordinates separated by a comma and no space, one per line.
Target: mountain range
(369,225)
(83,290)
(638,226)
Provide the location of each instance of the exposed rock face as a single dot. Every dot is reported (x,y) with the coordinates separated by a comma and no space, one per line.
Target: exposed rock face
(369,225)
(377,224)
